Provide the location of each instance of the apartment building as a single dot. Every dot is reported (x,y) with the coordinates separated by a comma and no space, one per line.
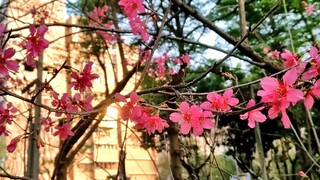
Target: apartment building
(99,158)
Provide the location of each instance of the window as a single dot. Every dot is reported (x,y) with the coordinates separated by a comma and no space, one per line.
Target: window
(107,165)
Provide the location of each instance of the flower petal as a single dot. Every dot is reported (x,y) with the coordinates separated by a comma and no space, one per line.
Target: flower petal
(185,128)
(175,117)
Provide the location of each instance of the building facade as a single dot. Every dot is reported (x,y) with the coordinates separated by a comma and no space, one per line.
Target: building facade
(99,158)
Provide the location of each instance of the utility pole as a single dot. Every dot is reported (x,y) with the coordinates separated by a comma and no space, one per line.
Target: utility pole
(259,146)
(33,151)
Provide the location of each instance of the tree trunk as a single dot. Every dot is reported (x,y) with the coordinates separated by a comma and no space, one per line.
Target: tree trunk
(175,153)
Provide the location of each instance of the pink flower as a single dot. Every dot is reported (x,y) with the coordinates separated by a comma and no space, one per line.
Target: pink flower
(314,70)
(84,79)
(274,89)
(217,102)
(3,130)
(6,64)
(139,28)
(290,59)
(280,93)
(107,36)
(47,123)
(13,144)
(177,61)
(127,109)
(309,10)
(313,92)
(265,50)
(63,131)
(85,104)
(204,121)
(36,43)
(192,117)
(274,54)
(254,115)
(185,116)
(96,19)
(6,114)
(99,13)
(186,58)
(302,174)
(132,7)
(66,103)
(155,123)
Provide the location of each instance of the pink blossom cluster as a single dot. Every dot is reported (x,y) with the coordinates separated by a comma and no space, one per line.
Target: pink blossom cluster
(84,79)
(71,104)
(39,14)
(131,9)
(67,104)
(271,54)
(159,65)
(140,115)
(36,43)
(6,117)
(309,8)
(216,102)
(279,94)
(200,118)
(96,18)
(164,66)
(192,117)
(6,63)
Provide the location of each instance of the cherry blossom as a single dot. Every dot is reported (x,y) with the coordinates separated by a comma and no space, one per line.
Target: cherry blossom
(314,70)
(3,130)
(186,58)
(60,104)
(132,7)
(99,13)
(313,92)
(83,80)
(274,54)
(127,109)
(36,43)
(139,28)
(192,117)
(11,147)
(47,123)
(279,94)
(309,10)
(290,59)
(140,116)
(302,174)
(65,103)
(203,122)
(216,102)
(185,116)
(96,19)
(85,104)
(254,115)
(155,123)
(6,114)
(63,131)
(6,63)
(39,14)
